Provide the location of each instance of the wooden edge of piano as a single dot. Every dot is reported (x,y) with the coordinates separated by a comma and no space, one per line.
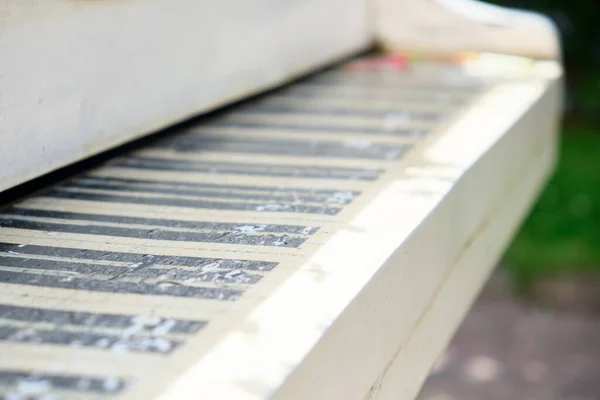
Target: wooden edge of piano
(320,241)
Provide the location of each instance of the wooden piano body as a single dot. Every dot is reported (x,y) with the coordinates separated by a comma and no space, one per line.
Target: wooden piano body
(320,241)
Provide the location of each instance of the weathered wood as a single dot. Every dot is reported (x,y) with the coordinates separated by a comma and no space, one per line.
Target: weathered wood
(322,242)
(295,248)
(447,27)
(80,77)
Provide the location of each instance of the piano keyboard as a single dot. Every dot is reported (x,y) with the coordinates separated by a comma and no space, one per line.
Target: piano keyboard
(118,280)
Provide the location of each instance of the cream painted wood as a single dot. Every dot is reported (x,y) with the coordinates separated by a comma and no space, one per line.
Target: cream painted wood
(403,376)
(80,77)
(358,310)
(445,27)
(369,324)
(346,324)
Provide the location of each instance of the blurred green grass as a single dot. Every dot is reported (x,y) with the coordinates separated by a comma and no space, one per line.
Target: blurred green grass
(562,233)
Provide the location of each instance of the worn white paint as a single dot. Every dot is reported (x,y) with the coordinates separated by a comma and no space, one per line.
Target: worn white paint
(436,27)
(368,314)
(79,77)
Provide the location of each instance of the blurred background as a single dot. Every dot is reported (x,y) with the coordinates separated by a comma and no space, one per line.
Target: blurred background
(534,333)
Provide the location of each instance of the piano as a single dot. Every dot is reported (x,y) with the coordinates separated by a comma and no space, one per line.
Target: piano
(247,200)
